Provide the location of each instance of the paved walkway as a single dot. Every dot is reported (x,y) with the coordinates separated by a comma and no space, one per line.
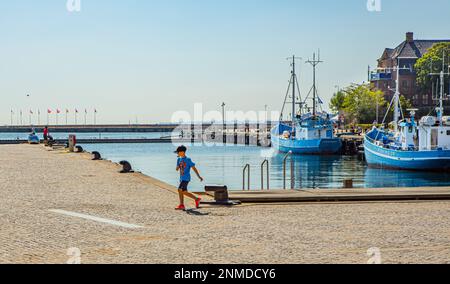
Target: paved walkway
(51,201)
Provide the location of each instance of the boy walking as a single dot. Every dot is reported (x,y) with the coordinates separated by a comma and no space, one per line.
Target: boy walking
(184,166)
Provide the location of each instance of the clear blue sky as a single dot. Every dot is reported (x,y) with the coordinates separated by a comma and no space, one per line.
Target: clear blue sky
(148,58)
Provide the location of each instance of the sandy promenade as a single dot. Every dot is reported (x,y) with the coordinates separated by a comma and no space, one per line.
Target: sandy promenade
(39,189)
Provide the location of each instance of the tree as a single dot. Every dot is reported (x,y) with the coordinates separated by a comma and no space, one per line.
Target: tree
(431,62)
(337,102)
(360,103)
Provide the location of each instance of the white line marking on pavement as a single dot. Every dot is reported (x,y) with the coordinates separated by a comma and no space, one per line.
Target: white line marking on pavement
(97,219)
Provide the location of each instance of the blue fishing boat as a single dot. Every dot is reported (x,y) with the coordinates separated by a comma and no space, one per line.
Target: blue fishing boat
(422,146)
(309,131)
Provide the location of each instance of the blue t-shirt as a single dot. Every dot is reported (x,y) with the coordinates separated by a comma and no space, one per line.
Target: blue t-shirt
(185,164)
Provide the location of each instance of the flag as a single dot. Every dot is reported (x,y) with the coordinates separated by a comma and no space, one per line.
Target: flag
(95,110)
(76,111)
(12,112)
(67,111)
(85,111)
(320,101)
(39,112)
(49,111)
(58,111)
(31,112)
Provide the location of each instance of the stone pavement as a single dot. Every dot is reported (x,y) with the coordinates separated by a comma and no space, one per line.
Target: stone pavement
(38,187)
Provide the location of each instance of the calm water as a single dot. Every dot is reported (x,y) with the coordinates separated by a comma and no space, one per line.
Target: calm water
(111,135)
(223,165)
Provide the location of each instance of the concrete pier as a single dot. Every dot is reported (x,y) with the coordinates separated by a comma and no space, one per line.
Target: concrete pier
(53,203)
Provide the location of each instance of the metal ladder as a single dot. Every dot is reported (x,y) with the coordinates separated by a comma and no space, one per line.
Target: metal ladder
(246,174)
(288,155)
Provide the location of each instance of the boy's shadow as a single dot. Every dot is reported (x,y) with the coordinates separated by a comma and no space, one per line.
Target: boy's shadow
(195,212)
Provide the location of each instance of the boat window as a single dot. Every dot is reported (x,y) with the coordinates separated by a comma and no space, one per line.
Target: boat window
(448,132)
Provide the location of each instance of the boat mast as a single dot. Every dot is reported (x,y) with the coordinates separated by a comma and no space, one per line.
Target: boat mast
(294,84)
(397,97)
(314,63)
(293,93)
(441,75)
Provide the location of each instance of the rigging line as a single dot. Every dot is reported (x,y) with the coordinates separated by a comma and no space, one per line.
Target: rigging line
(309,93)
(285,99)
(298,89)
(299,96)
(385,116)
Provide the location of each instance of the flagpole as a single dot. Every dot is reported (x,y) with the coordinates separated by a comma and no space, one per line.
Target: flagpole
(85,117)
(30,117)
(12,113)
(21,117)
(39,117)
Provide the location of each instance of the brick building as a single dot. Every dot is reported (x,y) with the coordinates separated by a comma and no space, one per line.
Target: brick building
(405,55)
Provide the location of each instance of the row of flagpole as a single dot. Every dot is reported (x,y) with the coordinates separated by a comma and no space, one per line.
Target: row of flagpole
(57,112)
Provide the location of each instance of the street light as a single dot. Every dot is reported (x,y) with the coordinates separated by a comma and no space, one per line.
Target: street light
(224,135)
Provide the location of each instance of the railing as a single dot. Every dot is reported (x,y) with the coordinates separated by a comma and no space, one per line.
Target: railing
(265,163)
(246,170)
(292,171)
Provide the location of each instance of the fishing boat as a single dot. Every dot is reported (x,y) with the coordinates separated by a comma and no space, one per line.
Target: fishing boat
(310,131)
(412,145)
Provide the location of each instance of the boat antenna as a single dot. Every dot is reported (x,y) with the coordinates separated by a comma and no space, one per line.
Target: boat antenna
(314,62)
(442,74)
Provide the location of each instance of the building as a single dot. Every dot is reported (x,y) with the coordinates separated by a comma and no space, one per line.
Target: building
(405,55)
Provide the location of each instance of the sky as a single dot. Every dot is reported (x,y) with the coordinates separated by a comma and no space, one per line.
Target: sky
(144,60)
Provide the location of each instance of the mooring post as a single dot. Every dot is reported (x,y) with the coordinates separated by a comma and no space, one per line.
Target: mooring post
(235,133)
(257,135)
(247,133)
(192,133)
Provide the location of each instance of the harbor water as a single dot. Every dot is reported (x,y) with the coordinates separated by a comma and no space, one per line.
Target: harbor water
(223,165)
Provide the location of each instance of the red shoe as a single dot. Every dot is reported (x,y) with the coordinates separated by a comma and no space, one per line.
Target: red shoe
(197,202)
(180,207)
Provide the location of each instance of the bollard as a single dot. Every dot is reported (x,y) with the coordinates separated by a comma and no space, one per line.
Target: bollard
(126,167)
(348,183)
(96,156)
(72,142)
(79,149)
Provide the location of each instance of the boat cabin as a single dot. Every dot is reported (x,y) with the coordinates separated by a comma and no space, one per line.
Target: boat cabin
(310,128)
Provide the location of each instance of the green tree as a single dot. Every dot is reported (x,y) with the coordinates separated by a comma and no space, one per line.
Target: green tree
(337,101)
(431,62)
(360,103)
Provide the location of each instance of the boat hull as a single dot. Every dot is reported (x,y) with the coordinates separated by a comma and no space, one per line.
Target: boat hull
(433,160)
(308,147)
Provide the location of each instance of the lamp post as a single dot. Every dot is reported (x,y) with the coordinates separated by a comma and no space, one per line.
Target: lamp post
(223,123)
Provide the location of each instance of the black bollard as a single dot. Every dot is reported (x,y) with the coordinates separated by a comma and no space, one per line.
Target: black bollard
(96,156)
(126,167)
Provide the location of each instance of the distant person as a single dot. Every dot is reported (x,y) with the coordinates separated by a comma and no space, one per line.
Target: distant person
(184,166)
(46,133)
